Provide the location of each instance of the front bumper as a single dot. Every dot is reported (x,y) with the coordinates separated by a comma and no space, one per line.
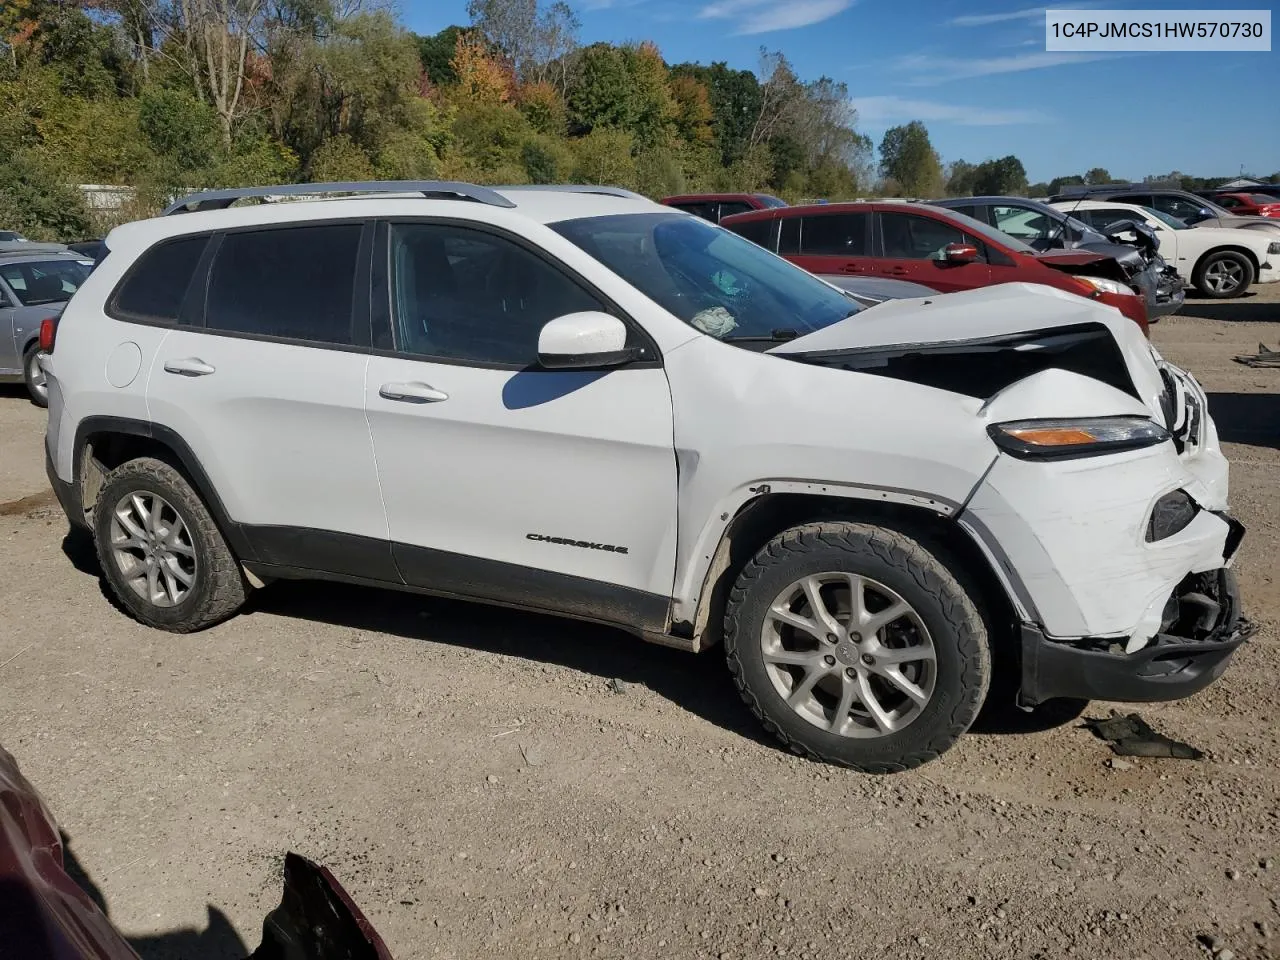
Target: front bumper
(1210,628)
(1168,295)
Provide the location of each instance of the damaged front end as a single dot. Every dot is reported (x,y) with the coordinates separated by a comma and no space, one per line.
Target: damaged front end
(1202,628)
(1103,511)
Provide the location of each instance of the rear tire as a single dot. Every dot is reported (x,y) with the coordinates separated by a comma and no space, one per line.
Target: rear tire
(35,379)
(1223,274)
(927,665)
(161,552)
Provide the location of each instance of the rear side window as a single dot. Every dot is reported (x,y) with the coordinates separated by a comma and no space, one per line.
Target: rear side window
(295,283)
(757,231)
(154,289)
(835,234)
(729,208)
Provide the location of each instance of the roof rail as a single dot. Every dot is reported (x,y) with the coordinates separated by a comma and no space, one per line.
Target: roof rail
(577,188)
(438,189)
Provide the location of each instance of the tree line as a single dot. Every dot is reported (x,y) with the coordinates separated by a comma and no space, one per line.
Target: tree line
(168,95)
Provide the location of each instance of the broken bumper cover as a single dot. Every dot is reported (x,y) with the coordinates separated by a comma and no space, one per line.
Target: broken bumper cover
(1169,667)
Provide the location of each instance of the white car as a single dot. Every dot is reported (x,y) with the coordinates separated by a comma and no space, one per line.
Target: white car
(577,401)
(1219,261)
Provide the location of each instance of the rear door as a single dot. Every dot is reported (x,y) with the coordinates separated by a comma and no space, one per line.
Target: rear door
(911,247)
(10,362)
(266,385)
(828,243)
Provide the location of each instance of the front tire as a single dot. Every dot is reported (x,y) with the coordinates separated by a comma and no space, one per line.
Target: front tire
(161,552)
(856,646)
(34,377)
(1223,274)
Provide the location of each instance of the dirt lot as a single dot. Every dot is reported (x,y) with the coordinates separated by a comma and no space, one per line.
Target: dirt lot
(476,782)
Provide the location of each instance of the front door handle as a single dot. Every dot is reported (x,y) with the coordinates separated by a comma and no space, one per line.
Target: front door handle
(188,367)
(415,392)
(895,271)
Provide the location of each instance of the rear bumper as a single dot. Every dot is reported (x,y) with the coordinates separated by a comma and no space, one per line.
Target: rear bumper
(68,494)
(1170,667)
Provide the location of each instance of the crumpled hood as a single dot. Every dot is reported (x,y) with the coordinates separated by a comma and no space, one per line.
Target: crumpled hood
(984,314)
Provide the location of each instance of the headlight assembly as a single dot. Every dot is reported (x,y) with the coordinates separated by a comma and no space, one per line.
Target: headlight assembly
(1103,285)
(1085,437)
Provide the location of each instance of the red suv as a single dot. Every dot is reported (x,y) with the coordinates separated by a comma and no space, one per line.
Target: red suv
(716,206)
(929,245)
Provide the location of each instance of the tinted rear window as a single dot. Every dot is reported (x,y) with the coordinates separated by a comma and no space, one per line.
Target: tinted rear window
(155,287)
(295,283)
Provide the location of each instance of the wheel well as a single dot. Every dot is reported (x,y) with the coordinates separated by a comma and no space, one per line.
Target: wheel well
(103,452)
(758,521)
(1244,251)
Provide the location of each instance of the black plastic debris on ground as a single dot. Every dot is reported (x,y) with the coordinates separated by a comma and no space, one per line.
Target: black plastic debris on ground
(1132,736)
(1263,358)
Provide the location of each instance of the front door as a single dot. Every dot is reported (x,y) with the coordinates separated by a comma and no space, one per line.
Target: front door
(554,490)
(269,395)
(912,247)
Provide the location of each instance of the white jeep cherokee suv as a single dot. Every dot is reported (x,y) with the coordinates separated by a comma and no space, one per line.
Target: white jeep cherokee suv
(577,401)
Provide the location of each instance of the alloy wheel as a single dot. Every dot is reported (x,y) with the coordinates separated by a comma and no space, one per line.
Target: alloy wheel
(1224,276)
(36,376)
(152,549)
(849,655)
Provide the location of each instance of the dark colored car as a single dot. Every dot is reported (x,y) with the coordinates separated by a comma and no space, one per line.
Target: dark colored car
(95,250)
(941,249)
(1043,228)
(45,913)
(716,206)
(1187,207)
(1249,204)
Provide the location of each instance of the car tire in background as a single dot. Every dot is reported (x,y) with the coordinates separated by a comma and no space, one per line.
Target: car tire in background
(161,552)
(34,377)
(1222,274)
(855,645)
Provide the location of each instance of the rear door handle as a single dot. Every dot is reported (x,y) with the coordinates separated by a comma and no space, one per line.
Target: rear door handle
(414,392)
(188,367)
(852,268)
(895,271)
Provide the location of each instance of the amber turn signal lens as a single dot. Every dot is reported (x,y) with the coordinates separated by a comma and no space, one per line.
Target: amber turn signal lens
(1053,437)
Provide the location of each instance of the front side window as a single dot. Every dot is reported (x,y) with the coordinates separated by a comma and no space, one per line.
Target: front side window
(1228,202)
(296,283)
(52,281)
(1178,207)
(1029,226)
(730,207)
(464,294)
(713,280)
(834,234)
(909,237)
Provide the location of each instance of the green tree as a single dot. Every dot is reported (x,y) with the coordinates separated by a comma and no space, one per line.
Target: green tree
(1098,175)
(960,177)
(605,156)
(435,54)
(601,90)
(1003,177)
(38,204)
(1057,183)
(907,157)
(735,104)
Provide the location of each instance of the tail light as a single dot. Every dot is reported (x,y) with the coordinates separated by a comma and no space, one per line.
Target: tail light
(48,333)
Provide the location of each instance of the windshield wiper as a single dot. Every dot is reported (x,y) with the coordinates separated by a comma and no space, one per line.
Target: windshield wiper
(777,336)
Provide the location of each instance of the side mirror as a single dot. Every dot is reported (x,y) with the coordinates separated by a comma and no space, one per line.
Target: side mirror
(960,253)
(1204,213)
(578,341)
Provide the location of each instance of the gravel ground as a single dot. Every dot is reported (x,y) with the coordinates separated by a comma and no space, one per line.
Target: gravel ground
(484,789)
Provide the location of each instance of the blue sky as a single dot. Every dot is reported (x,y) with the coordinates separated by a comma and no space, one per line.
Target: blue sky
(978,75)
